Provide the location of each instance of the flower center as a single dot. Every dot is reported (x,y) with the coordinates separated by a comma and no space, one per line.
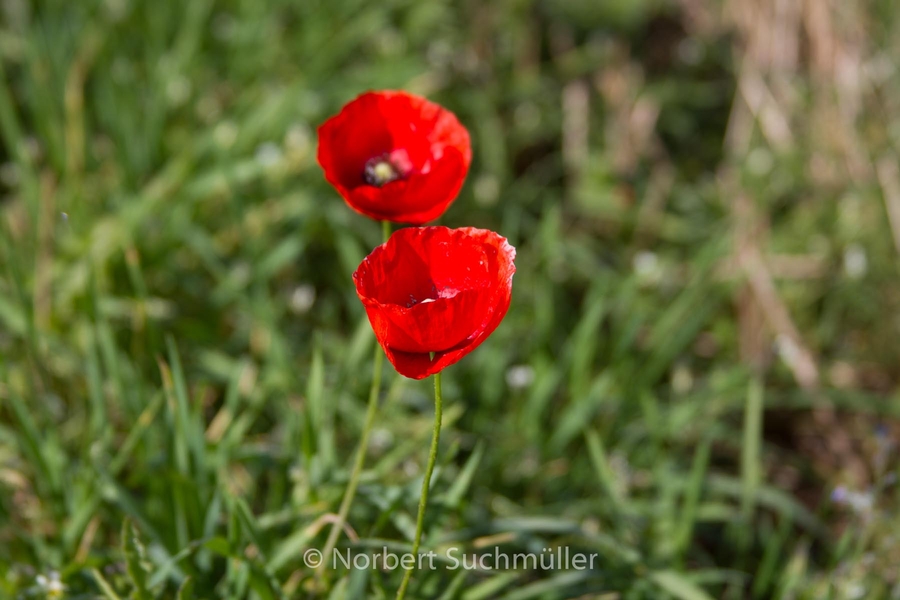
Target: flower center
(381,171)
(434,295)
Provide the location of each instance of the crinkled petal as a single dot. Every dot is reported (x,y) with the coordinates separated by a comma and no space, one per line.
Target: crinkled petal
(433,290)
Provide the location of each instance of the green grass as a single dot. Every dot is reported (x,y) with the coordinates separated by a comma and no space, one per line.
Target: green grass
(184,364)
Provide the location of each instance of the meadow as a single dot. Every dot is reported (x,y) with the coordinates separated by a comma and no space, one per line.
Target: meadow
(697,382)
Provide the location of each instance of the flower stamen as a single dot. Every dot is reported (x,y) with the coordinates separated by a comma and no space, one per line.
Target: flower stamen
(380,171)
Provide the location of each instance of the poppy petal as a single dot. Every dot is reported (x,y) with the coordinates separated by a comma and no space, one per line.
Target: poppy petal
(417,200)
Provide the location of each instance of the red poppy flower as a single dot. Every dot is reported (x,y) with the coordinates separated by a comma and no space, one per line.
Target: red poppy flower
(435,290)
(395,157)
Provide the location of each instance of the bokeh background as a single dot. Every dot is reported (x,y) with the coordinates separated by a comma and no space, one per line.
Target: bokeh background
(697,379)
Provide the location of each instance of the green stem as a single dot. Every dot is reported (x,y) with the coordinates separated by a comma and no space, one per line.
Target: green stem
(372,408)
(429,469)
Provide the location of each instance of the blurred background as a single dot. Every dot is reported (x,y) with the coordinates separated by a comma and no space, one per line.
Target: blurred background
(697,379)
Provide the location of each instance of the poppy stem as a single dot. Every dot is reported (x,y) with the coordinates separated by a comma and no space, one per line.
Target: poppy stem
(360,459)
(429,470)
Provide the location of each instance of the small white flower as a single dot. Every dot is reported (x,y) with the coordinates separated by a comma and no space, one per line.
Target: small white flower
(858,502)
(380,440)
(861,502)
(645,264)
(302,298)
(856,263)
(268,155)
(55,589)
(51,584)
(519,376)
(410,468)
(855,590)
